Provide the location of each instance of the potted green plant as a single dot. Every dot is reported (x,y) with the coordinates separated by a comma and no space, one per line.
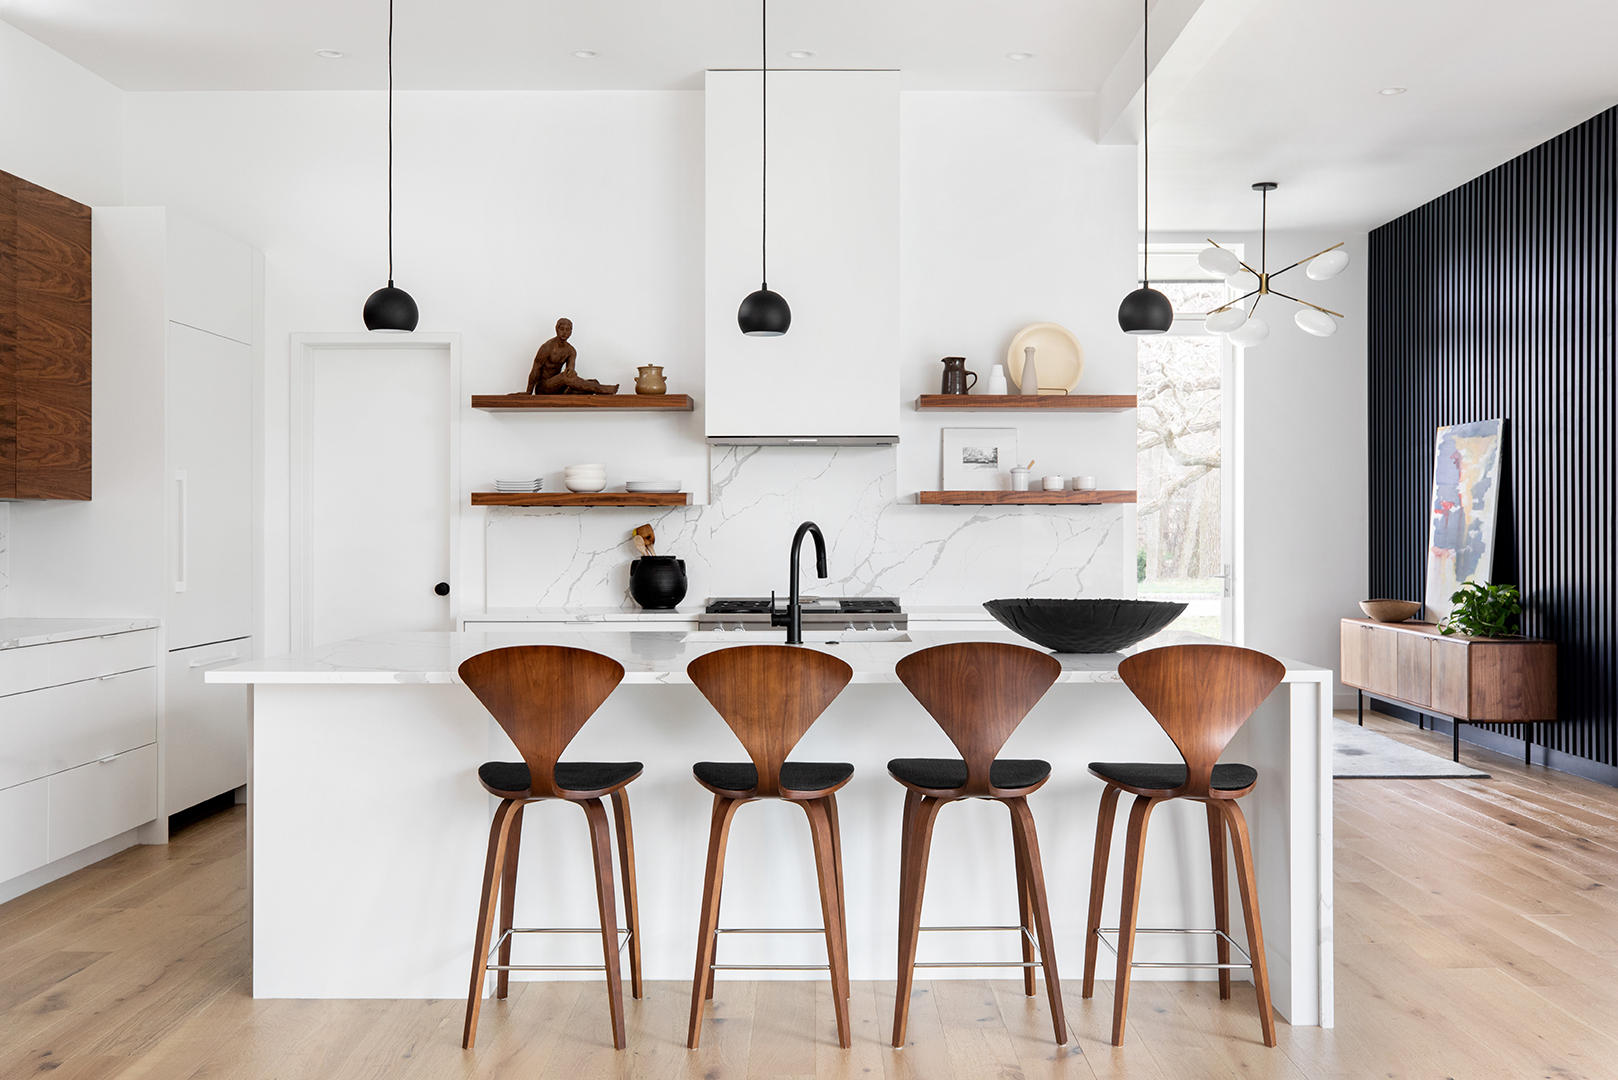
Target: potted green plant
(1483,611)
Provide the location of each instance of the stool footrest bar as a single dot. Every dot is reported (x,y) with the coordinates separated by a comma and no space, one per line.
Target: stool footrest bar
(769,967)
(1103,931)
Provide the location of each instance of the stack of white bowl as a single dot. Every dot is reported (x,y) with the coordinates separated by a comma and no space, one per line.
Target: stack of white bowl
(585,477)
(516,487)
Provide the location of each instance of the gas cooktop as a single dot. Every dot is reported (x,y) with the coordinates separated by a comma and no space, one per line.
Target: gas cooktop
(822,612)
(757,605)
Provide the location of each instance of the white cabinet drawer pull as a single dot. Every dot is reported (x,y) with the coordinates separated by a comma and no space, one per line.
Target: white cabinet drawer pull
(216,660)
(114,675)
(107,760)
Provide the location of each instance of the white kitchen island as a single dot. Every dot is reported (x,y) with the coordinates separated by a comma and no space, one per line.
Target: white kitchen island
(368,827)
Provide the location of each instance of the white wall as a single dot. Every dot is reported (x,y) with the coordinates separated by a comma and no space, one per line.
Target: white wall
(512,209)
(1301,470)
(60,126)
(516,208)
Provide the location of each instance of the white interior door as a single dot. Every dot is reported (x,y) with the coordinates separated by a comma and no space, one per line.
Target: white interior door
(210,448)
(374,486)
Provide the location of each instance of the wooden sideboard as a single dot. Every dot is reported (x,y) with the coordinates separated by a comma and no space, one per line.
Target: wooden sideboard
(1468,680)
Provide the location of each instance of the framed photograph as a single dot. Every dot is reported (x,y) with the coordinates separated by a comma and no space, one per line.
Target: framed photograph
(979,459)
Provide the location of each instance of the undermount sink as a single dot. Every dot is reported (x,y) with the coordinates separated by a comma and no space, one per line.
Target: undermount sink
(810,637)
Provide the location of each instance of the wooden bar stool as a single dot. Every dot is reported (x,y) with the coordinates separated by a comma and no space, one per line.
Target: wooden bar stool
(978,692)
(542,695)
(770,695)
(1200,695)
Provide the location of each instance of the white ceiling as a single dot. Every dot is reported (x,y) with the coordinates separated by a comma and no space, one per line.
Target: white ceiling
(1242,90)
(529,44)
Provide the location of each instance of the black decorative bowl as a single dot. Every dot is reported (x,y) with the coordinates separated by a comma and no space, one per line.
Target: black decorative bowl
(1084,626)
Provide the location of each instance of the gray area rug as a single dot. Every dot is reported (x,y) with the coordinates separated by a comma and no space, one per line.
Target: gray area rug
(1360,753)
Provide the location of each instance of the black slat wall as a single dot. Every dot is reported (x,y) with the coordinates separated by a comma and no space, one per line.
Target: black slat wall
(1498,299)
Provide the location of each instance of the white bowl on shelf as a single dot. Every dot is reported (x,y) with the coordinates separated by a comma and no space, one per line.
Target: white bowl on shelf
(586,485)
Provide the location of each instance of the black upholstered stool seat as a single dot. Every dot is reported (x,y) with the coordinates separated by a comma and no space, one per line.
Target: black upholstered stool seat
(795,775)
(1166,776)
(947,774)
(513,776)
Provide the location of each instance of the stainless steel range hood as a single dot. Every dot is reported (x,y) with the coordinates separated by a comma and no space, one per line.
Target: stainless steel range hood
(833,378)
(803,440)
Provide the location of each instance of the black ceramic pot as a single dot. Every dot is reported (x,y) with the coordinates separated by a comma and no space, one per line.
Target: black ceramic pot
(657,582)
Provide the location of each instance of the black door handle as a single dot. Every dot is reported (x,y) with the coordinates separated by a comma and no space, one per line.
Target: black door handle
(442,588)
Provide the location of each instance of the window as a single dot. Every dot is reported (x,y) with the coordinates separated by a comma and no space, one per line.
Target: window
(1183,509)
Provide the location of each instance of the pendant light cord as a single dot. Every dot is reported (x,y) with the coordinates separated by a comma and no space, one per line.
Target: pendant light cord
(1146,143)
(390,144)
(1264,232)
(764,155)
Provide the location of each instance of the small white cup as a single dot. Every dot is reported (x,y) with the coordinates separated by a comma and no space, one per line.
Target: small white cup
(1084,483)
(1053,483)
(997,380)
(1019,478)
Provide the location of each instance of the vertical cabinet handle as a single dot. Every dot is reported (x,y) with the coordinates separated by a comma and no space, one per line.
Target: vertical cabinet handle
(182,540)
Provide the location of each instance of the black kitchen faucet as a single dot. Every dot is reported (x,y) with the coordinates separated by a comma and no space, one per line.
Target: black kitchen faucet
(792,617)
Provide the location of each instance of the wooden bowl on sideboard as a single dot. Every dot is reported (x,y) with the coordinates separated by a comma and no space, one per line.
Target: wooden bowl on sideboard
(1389,611)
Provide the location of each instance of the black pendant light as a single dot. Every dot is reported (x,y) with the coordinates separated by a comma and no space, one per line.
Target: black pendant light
(389,308)
(1145,311)
(764,313)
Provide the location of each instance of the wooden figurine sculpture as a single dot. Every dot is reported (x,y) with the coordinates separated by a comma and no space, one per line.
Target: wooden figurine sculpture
(553,372)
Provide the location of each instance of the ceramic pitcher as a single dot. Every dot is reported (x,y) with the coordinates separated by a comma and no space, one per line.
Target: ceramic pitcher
(955,376)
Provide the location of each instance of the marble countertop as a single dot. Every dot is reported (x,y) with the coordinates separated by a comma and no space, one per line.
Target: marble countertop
(648,656)
(684,613)
(19,633)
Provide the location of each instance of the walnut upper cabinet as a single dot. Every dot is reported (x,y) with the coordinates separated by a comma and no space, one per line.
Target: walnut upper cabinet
(1509,680)
(44,343)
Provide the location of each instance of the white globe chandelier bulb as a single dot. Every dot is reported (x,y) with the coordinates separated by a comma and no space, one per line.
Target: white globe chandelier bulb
(1242,282)
(1327,266)
(1250,333)
(1223,322)
(1315,322)
(1218,260)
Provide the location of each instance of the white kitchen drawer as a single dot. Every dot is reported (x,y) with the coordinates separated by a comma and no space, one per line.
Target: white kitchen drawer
(22,828)
(100,800)
(46,731)
(205,727)
(37,666)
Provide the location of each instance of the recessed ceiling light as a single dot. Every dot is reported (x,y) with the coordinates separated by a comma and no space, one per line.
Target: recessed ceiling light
(801,54)
(586,54)
(1019,56)
(1392,91)
(329,54)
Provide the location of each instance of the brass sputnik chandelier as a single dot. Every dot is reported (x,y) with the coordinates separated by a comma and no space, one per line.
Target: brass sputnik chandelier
(1242,325)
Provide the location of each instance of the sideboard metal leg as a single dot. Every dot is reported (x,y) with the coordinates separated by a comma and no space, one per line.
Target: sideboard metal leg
(1528,743)
(1455,726)
(1360,698)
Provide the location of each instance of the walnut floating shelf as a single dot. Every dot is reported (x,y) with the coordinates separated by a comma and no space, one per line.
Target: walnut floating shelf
(1073,402)
(583,402)
(574,498)
(1024,498)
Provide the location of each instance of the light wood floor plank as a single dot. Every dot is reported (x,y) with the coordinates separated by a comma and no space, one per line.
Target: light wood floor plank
(1477,936)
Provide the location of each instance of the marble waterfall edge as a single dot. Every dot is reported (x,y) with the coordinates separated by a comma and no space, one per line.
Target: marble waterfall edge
(736,545)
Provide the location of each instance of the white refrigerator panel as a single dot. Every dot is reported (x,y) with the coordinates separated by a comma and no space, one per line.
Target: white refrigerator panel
(210,488)
(205,737)
(833,188)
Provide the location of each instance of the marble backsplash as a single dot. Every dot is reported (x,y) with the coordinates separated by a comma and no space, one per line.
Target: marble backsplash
(877,544)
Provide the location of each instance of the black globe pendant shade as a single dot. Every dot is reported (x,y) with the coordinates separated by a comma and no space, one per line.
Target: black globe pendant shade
(764,313)
(1145,311)
(390,309)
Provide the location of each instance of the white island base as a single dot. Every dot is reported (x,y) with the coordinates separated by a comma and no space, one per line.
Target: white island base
(368,828)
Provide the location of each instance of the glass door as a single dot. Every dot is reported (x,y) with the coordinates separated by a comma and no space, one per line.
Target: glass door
(1184,513)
